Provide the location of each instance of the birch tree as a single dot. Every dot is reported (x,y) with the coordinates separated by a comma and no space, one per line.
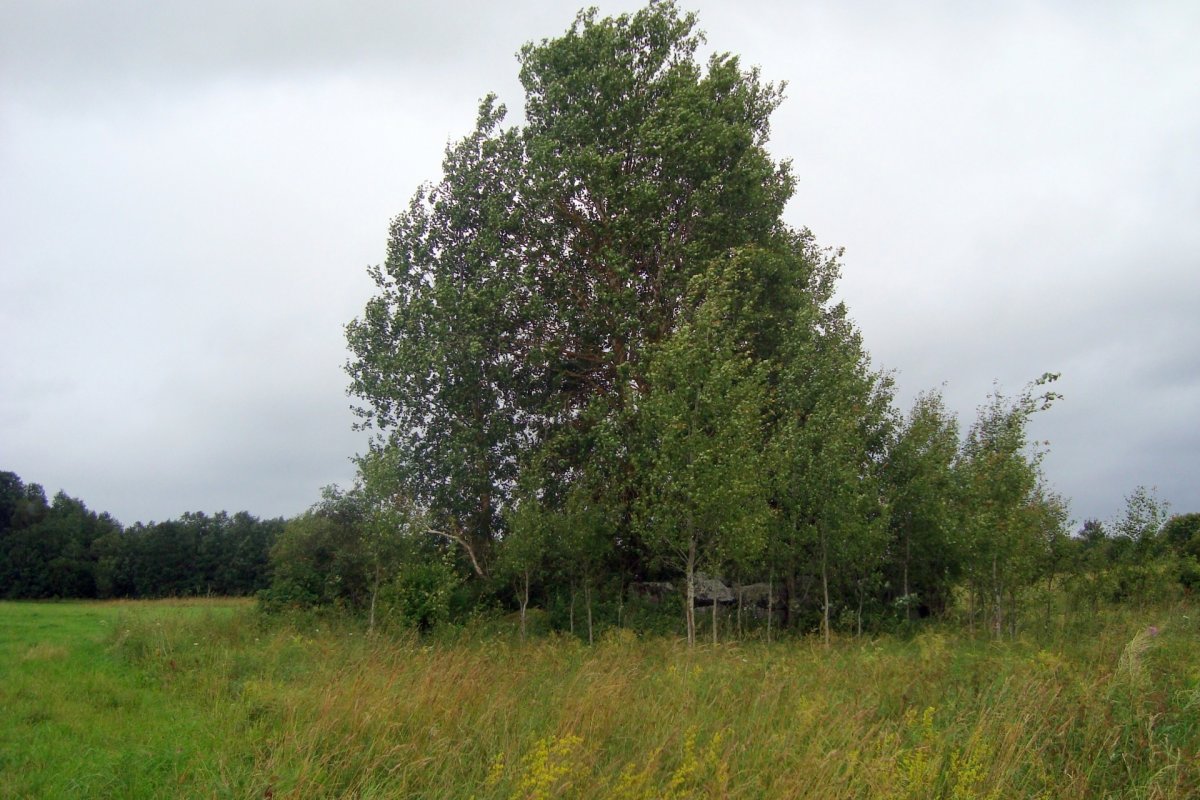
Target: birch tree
(703,497)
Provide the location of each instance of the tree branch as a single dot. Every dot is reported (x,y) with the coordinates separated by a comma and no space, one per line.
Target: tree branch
(454,537)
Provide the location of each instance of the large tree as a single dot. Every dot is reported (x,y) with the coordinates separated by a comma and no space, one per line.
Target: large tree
(596,324)
(439,355)
(523,292)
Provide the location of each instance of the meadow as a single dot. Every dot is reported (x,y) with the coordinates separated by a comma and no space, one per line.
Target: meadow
(213,699)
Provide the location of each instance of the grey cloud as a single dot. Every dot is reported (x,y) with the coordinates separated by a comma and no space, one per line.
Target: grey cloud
(194,189)
(93,51)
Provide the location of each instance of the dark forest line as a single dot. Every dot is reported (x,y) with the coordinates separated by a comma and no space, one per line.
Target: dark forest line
(62,549)
(333,557)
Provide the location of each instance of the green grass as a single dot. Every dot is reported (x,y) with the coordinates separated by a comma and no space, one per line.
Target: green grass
(208,700)
(82,720)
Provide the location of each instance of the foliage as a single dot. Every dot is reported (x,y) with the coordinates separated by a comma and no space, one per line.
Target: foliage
(582,230)
(1181,534)
(420,595)
(701,421)
(63,549)
(1010,514)
(598,358)
(924,508)
(1140,524)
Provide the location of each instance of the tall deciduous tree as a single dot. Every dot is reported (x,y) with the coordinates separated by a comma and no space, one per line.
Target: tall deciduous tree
(603,307)
(833,424)
(439,355)
(1141,521)
(1000,470)
(704,498)
(523,292)
(924,509)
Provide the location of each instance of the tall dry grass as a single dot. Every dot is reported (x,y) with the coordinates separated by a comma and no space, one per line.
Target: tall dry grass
(1108,709)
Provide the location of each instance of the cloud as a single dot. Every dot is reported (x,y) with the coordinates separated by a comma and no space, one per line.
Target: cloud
(194,190)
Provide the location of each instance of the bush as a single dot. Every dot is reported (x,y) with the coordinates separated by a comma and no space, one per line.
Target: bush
(421,595)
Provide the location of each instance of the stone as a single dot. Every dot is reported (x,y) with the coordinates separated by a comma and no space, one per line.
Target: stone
(711,590)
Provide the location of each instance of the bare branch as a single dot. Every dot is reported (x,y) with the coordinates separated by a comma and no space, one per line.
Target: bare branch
(457,538)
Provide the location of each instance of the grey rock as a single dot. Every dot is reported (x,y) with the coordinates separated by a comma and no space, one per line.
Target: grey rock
(711,590)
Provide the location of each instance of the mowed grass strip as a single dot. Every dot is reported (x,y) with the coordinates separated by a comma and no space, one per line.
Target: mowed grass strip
(163,700)
(80,720)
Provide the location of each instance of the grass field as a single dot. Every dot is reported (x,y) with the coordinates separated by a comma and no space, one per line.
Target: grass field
(207,699)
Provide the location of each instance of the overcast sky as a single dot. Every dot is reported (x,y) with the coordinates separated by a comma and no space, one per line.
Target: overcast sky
(190,194)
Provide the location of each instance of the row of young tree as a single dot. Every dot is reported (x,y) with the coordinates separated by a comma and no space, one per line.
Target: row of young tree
(599,360)
(61,549)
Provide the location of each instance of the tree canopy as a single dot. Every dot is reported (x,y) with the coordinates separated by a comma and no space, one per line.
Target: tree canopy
(602,307)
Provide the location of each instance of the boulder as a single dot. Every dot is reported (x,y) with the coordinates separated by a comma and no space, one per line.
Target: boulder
(711,590)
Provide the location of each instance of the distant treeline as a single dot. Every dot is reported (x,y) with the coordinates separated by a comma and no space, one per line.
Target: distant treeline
(62,549)
(348,553)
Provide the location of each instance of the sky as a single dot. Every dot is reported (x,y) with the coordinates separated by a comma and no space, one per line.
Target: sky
(191,192)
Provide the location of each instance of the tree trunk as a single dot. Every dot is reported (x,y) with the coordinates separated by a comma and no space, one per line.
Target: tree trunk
(374,594)
(1049,601)
(587,599)
(571,610)
(997,601)
(1012,613)
(861,593)
(465,545)
(907,604)
(689,607)
(825,588)
(739,611)
(524,604)
(621,604)
(770,602)
(790,595)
